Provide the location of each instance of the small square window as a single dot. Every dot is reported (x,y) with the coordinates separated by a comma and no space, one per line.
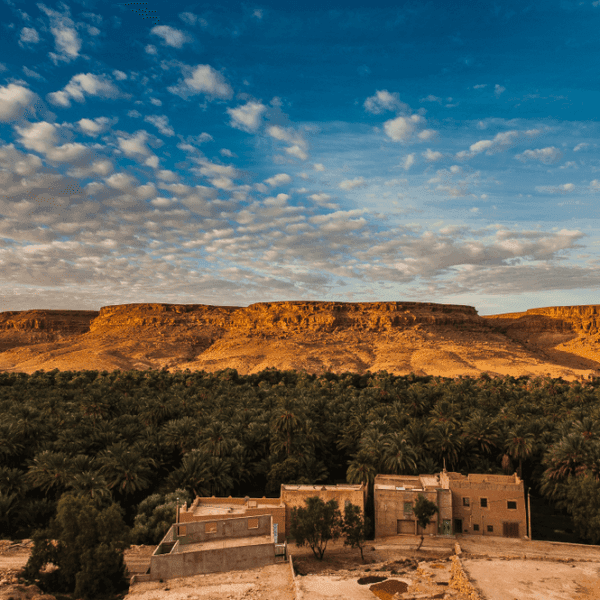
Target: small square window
(511,504)
(483,502)
(408,507)
(476,527)
(490,528)
(466,501)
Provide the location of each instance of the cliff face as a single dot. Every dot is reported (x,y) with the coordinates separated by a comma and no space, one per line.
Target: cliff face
(400,337)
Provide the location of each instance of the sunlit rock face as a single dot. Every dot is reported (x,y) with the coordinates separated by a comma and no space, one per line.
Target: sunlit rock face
(399,337)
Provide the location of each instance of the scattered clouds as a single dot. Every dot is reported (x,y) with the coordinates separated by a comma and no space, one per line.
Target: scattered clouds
(409,161)
(498,89)
(94,127)
(28,36)
(279,179)
(352,184)
(384,101)
(161,123)
(135,147)
(15,100)
(299,147)
(401,129)
(247,117)
(66,38)
(171,36)
(500,142)
(548,156)
(203,79)
(565,188)
(432,156)
(81,85)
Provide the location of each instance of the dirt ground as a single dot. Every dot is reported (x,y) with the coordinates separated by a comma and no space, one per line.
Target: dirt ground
(501,568)
(534,580)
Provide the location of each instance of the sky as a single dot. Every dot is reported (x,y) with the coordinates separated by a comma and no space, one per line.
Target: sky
(229,153)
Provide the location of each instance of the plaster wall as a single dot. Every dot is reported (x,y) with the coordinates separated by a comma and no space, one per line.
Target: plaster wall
(390,505)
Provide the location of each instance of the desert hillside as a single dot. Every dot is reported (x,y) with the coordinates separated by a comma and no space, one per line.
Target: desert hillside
(399,337)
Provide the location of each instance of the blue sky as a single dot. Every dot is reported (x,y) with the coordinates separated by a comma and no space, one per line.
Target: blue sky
(231,153)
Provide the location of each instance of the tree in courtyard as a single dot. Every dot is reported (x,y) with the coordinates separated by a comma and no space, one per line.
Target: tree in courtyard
(355,528)
(86,545)
(424,510)
(316,524)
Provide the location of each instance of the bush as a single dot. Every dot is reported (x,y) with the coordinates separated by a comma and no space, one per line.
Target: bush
(85,543)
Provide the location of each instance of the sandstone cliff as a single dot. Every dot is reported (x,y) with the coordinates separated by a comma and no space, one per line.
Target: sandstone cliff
(400,337)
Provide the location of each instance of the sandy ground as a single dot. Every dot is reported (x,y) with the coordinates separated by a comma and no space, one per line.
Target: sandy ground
(534,580)
(273,582)
(502,569)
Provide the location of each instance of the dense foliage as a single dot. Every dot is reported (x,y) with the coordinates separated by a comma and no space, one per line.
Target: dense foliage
(84,546)
(124,436)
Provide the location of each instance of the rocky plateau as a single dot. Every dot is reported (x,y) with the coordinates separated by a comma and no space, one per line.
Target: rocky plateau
(399,337)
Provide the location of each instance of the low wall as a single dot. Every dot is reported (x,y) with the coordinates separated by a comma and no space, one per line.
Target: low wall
(215,560)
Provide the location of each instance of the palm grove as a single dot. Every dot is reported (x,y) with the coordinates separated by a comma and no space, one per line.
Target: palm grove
(139,439)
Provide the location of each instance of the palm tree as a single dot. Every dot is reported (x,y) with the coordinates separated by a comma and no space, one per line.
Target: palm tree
(362,469)
(50,471)
(125,469)
(91,484)
(445,441)
(192,475)
(286,423)
(398,455)
(181,434)
(519,445)
(217,439)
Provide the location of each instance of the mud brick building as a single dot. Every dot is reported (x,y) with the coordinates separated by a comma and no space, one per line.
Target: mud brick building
(280,509)
(474,504)
(487,504)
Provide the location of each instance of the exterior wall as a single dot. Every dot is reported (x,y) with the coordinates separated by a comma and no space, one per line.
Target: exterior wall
(495,514)
(266,506)
(293,496)
(390,508)
(171,560)
(216,560)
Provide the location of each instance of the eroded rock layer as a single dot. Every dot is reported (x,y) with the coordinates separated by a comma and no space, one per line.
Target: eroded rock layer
(400,337)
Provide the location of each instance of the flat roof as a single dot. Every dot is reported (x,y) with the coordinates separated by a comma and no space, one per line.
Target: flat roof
(224,543)
(316,487)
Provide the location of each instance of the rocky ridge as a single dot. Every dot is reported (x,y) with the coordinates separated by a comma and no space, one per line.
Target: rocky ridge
(400,337)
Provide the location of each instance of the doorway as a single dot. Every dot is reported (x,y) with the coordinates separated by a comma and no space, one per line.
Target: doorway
(458,526)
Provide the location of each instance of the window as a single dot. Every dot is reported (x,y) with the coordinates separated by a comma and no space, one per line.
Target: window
(182,530)
(490,528)
(483,502)
(408,507)
(511,504)
(466,501)
(476,527)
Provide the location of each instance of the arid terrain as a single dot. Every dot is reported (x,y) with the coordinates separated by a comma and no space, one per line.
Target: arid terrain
(399,337)
(486,568)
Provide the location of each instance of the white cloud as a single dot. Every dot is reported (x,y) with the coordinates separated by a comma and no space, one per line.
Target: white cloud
(427,134)
(565,188)
(171,36)
(581,146)
(595,184)
(383,101)
(500,142)
(155,101)
(93,127)
(99,167)
(14,101)
(351,184)
(431,98)
(18,162)
(28,36)
(318,167)
(188,18)
(161,123)
(409,161)
(31,73)
(119,75)
(279,179)
(42,137)
(432,156)
(480,86)
(498,89)
(401,129)
(66,38)
(247,117)
(226,152)
(81,84)
(122,182)
(167,175)
(134,146)
(203,79)
(299,146)
(150,49)
(296,151)
(547,156)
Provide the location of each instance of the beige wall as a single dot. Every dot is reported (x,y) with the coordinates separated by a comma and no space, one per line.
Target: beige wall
(294,498)
(495,514)
(389,509)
